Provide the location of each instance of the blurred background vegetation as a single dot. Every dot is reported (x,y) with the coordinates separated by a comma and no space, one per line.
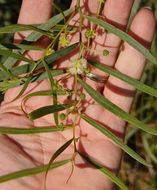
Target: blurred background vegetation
(133,174)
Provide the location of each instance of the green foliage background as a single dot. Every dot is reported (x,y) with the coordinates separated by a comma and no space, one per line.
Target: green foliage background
(144,108)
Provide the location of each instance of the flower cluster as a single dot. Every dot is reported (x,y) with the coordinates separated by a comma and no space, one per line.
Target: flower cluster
(90,33)
(79,66)
(63,40)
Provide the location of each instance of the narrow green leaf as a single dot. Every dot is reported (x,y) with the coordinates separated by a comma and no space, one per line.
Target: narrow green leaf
(31,171)
(26,68)
(43,75)
(9,53)
(59,10)
(40,112)
(59,27)
(34,36)
(7,84)
(41,93)
(137,84)
(14,28)
(55,155)
(23,89)
(115,109)
(148,148)
(25,131)
(22,69)
(2,46)
(60,53)
(115,139)
(134,10)
(105,171)
(6,71)
(22,27)
(124,36)
(22,46)
(53,89)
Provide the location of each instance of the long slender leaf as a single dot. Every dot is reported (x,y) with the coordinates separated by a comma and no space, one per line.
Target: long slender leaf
(124,36)
(60,53)
(53,89)
(21,46)
(23,27)
(31,171)
(38,77)
(137,84)
(9,53)
(7,84)
(26,68)
(59,10)
(115,139)
(42,93)
(36,35)
(105,171)
(44,74)
(6,71)
(56,154)
(2,46)
(40,112)
(115,109)
(24,131)
(134,10)
(38,93)
(23,88)
(147,148)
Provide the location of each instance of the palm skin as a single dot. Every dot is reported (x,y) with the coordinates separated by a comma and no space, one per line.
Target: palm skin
(25,151)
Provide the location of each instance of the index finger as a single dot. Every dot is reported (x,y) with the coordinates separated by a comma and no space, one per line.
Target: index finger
(34,12)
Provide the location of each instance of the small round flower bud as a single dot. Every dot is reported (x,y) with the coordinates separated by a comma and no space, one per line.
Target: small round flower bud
(105,52)
(62,116)
(63,40)
(90,34)
(82,96)
(49,51)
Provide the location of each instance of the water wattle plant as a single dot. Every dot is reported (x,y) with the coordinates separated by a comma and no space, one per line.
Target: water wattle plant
(68,102)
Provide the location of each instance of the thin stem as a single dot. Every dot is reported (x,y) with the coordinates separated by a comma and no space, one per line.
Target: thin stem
(51,45)
(100,7)
(81,22)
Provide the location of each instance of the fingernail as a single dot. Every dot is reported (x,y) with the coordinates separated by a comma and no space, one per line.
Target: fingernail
(148,7)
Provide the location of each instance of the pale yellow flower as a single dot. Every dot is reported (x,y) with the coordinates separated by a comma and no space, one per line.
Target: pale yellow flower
(79,66)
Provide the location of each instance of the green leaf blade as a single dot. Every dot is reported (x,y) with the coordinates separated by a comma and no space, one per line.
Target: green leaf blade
(105,171)
(56,154)
(137,84)
(26,68)
(21,47)
(53,89)
(115,139)
(115,109)
(40,112)
(22,27)
(36,35)
(37,130)
(9,53)
(31,171)
(124,36)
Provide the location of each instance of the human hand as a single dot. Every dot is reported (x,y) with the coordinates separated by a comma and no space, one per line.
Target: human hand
(25,151)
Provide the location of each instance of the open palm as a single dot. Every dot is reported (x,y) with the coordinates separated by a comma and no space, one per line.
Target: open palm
(25,151)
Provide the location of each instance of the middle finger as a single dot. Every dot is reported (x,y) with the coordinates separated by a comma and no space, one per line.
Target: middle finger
(116,13)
